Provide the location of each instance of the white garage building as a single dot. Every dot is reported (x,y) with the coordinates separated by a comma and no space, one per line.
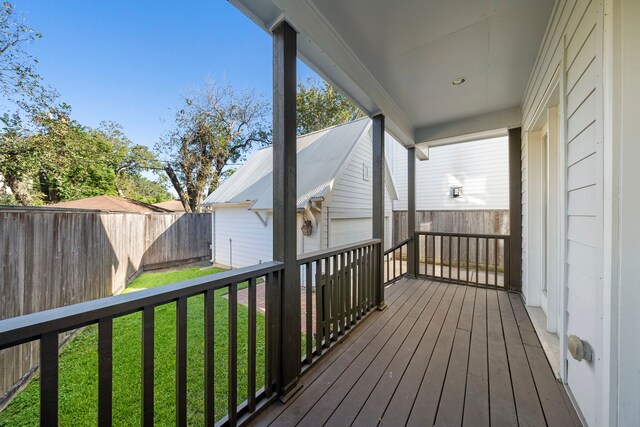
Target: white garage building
(334,195)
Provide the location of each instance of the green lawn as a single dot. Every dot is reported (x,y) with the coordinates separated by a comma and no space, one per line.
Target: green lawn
(79,365)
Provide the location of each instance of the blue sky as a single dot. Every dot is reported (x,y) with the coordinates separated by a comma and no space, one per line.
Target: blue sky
(129,61)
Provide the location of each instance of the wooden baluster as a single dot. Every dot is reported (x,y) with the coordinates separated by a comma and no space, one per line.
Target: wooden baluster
(309,311)
(233,355)
(441,256)
(49,358)
(450,238)
(105,372)
(209,358)
(148,315)
(433,260)
(319,306)
(181,361)
(458,257)
(467,263)
(495,244)
(486,262)
(347,288)
(477,261)
(251,345)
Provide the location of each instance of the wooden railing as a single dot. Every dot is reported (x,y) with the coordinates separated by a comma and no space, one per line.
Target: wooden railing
(339,285)
(46,326)
(395,262)
(478,259)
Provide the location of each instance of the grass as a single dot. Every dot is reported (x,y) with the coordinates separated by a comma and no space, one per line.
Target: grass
(79,364)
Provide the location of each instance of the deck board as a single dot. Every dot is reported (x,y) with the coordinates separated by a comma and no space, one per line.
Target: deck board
(476,404)
(379,397)
(440,354)
(388,361)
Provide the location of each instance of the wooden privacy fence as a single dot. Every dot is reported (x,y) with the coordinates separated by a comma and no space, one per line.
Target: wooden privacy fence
(52,258)
(458,221)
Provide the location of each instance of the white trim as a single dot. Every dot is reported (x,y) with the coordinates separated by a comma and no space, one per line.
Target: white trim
(554,193)
(556,309)
(611,98)
(562,212)
(484,126)
(262,220)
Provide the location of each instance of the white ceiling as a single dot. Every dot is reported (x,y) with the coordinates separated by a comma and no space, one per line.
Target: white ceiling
(399,57)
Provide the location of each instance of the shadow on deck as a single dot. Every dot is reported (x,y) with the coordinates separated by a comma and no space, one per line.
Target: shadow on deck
(440,354)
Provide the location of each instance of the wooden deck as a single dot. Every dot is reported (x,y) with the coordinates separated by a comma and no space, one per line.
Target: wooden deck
(440,354)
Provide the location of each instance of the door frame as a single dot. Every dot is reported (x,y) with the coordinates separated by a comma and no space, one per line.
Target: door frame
(554,97)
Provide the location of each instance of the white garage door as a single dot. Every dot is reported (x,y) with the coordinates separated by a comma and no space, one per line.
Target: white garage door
(350,230)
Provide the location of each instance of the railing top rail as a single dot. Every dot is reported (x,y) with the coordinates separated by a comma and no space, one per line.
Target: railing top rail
(21,329)
(404,242)
(329,252)
(442,233)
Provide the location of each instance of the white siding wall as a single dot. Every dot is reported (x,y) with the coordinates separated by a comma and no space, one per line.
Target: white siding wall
(310,243)
(345,218)
(576,25)
(351,198)
(481,168)
(251,241)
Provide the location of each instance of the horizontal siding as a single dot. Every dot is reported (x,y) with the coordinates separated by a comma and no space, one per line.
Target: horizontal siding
(481,168)
(251,242)
(582,174)
(583,202)
(580,230)
(582,145)
(351,200)
(351,191)
(582,118)
(582,89)
(574,22)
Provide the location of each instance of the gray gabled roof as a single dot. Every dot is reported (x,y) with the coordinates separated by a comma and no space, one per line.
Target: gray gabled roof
(321,156)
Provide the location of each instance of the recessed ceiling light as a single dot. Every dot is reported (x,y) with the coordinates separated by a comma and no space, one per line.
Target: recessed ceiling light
(459,81)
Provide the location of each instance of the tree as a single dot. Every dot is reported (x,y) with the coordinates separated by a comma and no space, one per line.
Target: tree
(216,125)
(320,106)
(19,80)
(72,160)
(137,187)
(18,159)
(57,159)
(128,161)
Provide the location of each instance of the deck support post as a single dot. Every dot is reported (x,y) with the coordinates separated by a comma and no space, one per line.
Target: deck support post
(378,207)
(412,245)
(284,204)
(515,211)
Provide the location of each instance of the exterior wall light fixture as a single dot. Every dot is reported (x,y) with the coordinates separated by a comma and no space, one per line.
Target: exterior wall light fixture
(456,192)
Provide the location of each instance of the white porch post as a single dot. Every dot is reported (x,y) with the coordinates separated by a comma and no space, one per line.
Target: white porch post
(284,203)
